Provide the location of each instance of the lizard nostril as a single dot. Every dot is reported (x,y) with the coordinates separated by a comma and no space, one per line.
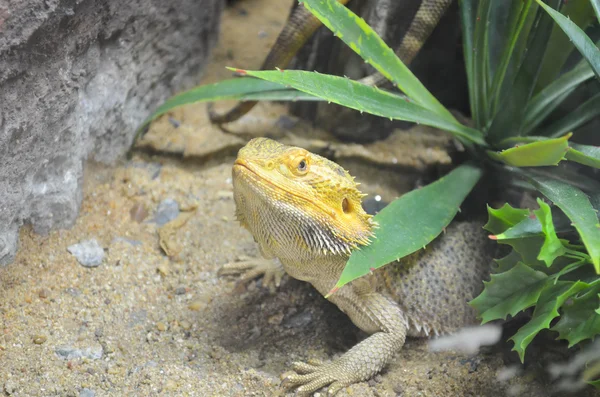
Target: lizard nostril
(345,206)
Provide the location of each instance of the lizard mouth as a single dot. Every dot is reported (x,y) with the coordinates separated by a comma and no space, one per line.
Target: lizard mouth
(241,164)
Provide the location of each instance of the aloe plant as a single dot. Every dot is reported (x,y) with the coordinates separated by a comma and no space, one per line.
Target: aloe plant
(515,86)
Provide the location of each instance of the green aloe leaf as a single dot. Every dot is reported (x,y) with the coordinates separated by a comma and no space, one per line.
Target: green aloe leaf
(280,95)
(578,117)
(363,40)
(552,247)
(528,227)
(548,99)
(411,222)
(367,99)
(534,154)
(546,309)
(507,262)
(596,6)
(468,10)
(518,17)
(503,218)
(238,88)
(531,227)
(584,154)
(509,293)
(480,62)
(581,41)
(576,205)
(579,320)
(560,46)
(511,109)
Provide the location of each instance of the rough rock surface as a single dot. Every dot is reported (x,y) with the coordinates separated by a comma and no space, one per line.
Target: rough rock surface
(76,78)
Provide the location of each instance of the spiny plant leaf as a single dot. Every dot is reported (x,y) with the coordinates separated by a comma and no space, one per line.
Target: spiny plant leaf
(531,227)
(411,222)
(576,205)
(579,320)
(503,218)
(584,154)
(363,40)
(238,88)
(528,227)
(372,100)
(509,293)
(480,60)
(468,9)
(560,46)
(508,262)
(546,309)
(596,6)
(583,43)
(534,154)
(548,99)
(518,17)
(511,110)
(528,248)
(552,247)
(578,117)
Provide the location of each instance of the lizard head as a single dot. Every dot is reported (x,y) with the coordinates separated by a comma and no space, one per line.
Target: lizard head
(313,197)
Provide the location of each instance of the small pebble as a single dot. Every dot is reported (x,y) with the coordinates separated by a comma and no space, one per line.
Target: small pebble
(163,269)
(72,291)
(138,212)
(87,393)
(88,253)
(70,353)
(170,385)
(10,387)
(180,291)
(161,326)
(167,210)
(185,325)
(196,305)
(39,339)
(44,293)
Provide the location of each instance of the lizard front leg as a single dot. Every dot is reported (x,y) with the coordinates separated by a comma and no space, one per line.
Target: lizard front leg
(269,269)
(373,313)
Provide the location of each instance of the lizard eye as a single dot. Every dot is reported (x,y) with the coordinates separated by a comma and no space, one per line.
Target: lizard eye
(300,165)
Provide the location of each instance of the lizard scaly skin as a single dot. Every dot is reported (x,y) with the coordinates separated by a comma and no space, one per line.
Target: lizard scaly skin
(306,211)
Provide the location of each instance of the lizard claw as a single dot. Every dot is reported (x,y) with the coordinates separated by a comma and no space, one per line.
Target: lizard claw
(310,377)
(270,271)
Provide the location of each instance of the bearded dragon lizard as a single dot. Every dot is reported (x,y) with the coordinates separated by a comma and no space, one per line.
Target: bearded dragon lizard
(306,211)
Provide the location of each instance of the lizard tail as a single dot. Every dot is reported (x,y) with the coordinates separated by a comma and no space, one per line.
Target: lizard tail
(426,19)
(300,27)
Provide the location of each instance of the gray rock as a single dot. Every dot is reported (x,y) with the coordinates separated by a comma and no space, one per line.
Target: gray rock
(10,387)
(88,253)
(87,393)
(167,210)
(70,353)
(76,79)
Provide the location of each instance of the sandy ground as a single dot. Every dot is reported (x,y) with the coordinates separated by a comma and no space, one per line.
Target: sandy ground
(154,318)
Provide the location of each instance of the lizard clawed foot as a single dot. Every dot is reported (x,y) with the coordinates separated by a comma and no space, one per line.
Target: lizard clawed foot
(311,376)
(269,270)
